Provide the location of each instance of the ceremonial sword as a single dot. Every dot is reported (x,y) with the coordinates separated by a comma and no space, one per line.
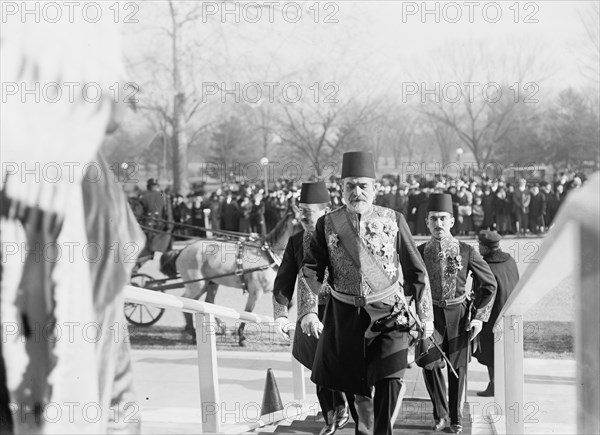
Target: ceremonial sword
(422,329)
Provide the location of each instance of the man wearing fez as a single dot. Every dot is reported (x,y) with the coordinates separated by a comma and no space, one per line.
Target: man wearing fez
(448,262)
(373,267)
(314,203)
(505,271)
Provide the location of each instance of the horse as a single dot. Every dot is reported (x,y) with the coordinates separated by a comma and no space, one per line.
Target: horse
(226,260)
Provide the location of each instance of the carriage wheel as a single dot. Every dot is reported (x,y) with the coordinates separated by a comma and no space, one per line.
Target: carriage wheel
(142,315)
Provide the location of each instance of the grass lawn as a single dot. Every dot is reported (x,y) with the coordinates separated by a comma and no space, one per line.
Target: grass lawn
(542,339)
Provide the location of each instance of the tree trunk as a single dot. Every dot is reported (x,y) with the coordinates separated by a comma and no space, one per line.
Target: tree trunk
(180,172)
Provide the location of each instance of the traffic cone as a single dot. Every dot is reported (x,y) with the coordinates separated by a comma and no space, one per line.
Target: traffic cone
(271,399)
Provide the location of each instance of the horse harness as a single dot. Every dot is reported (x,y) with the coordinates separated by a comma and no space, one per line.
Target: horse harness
(240,272)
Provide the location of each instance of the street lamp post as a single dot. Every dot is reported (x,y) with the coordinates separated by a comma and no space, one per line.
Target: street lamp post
(264,162)
(459,153)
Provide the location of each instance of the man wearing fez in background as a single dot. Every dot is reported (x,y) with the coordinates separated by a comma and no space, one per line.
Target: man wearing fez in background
(448,261)
(372,263)
(314,203)
(505,271)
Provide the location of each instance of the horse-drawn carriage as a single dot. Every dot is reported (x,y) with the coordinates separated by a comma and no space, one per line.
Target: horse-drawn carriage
(232,259)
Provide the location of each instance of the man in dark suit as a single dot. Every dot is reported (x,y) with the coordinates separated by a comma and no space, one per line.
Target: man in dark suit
(314,203)
(158,217)
(230,213)
(521,202)
(537,210)
(448,262)
(488,202)
(505,271)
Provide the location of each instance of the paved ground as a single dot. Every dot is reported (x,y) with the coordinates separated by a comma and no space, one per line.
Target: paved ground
(167,387)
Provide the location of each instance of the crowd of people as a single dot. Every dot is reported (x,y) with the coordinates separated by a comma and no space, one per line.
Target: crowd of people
(509,208)
(519,208)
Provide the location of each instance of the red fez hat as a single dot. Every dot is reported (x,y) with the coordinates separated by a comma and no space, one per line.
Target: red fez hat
(441,202)
(314,193)
(358,164)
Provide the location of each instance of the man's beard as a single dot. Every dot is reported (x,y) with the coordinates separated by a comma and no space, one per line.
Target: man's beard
(359,205)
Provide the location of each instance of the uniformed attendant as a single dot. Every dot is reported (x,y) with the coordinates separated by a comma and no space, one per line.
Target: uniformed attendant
(372,263)
(505,271)
(448,261)
(314,203)
(158,214)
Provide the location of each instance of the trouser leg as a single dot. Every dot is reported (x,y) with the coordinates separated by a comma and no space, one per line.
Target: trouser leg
(364,411)
(491,373)
(325,399)
(436,387)
(386,404)
(456,388)
(332,400)
(351,407)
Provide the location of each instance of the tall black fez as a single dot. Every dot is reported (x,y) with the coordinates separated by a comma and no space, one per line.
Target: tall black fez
(440,202)
(491,239)
(358,164)
(314,193)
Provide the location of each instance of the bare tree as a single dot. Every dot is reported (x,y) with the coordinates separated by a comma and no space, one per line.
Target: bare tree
(171,99)
(446,140)
(479,96)
(320,133)
(590,62)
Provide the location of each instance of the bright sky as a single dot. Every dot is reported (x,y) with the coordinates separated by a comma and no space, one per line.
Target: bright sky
(370,46)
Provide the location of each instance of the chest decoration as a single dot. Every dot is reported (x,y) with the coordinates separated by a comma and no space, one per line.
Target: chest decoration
(450,255)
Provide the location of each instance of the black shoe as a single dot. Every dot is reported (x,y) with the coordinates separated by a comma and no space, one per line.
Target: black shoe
(330,427)
(440,424)
(328,430)
(342,416)
(456,428)
(488,392)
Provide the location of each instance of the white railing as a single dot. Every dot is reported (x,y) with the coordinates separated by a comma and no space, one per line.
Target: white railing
(571,248)
(204,316)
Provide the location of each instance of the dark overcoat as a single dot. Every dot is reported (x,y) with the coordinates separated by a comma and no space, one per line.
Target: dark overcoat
(505,271)
(304,347)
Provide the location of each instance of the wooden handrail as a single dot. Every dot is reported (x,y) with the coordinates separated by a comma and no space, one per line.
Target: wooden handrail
(569,249)
(204,316)
(144,296)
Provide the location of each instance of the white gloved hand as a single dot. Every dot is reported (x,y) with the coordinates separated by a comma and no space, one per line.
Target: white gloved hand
(427,330)
(311,325)
(475,327)
(282,326)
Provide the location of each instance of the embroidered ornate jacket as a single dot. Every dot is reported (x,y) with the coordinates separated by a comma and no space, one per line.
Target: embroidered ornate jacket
(448,263)
(386,236)
(285,282)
